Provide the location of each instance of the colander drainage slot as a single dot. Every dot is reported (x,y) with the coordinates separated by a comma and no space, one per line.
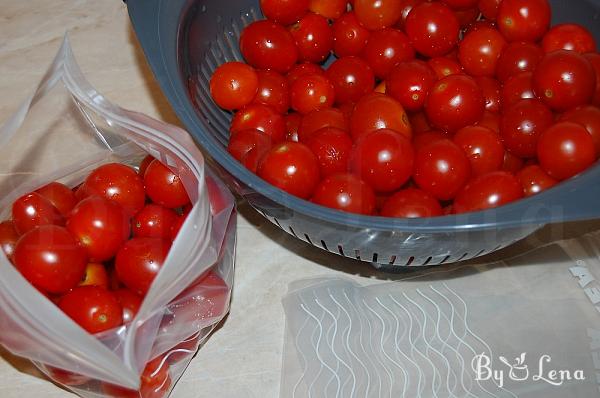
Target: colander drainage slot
(308,239)
(427,261)
(392,260)
(357,254)
(277,222)
(463,256)
(341,250)
(292,231)
(324,245)
(374,257)
(445,259)
(410,260)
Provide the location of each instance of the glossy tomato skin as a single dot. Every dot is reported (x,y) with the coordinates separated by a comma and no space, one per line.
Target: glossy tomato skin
(302,69)
(432,29)
(61,197)
(489,8)
(33,210)
(444,66)
(512,163)
(155,382)
(292,125)
(8,238)
(332,147)
(330,9)
(379,111)
(233,85)
(268,45)
(425,138)
(455,102)
(352,78)
(491,89)
(522,124)
(349,36)
(314,38)
(411,203)
(564,80)
(95,275)
(320,118)
(101,226)
(130,303)
(383,159)
(164,187)
(594,59)
(93,308)
(119,183)
(523,20)
(312,92)
(248,146)
(272,90)
(535,180)
(480,50)
(292,167)
(260,117)
(490,120)
(153,221)
(565,149)
(385,49)
(138,262)
(406,6)
(483,148)
(345,192)
(488,191)
(441,169)
(377,14)
(50,258)
(285,12)
(589,117)
(144,165)
(569,36)
(410,83)
(516,58)
(517,88)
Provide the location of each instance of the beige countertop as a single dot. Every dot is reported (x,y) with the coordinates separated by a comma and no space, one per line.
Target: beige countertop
(243,357)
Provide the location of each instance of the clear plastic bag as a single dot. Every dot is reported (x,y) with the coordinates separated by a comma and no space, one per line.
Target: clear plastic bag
(60,133)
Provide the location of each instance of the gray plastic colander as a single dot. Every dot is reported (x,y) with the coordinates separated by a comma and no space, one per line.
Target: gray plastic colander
(185,40)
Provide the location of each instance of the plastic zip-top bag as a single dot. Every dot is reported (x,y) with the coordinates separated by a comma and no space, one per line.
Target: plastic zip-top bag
(60,133)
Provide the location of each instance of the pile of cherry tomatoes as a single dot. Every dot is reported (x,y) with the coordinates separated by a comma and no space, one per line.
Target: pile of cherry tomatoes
(425,108)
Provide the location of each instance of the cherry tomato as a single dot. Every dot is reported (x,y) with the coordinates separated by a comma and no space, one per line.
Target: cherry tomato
(383,159)
(352,78)
(138,262)
(303,69)
(32,210)
(425,138)
(441,169)
(467,18)
(248,146)
(523,20)
(292,125)
(419,123)
(432,29)
(479,51)
(292,167)
(268,45)
(164,187)
(589,117)
(444,66)
(518,57)
(461,4)
(8,238)
(61,197)
(512,163)
(65,377)
(410,83)
(565,149)
(153,221)
(312,92)
(260,117)
(330,9)
(379,111)
(522,124)
(491,89)
(535,180)
(101,226)
(489,8)
(488,191)
(406,6)
(385,49)
(455,102)
(411,203)
(483,148)
(349,36)
(285,12)
(176,227)
(517,88)
(490,120)
(50,258)
(594,59)
(564,80)
(569,36)
(130,302)
(119,183)
(332,147)
(314,38)
(377,14)
(144,165)
(155,382)
(476,25)
(95,275)
(273,90)
(233,85)
(320,118)
(345,192)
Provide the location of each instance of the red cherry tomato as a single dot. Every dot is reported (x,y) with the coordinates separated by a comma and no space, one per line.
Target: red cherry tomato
(138,262)
(564,80)
(425,138)
(260,117)
(383,159)
(523,20)
(419,123)
(50,258)
(565,149)
(248,146)
(292,125)
(594,59)
(349,36)
(61,197)
(330,9)
(101,226)
(352,78)
(155,382)
(589,117)
(312,92)
(411,203)
(489,8)
(285,12)
(488,191)
(176,227)
(292,167)
(93,308)
(479,51)
(483,148)
(467,19)
(444,66)
(320,118)
(164,187)
(377,14)
(410,83)
(517,88)
(144,165)
(272,90)
(314,38)
(455,102)
(406,6)
(441,169)
(379,111)
(153,221)
(569,36)
(8,238)
(303,69)
(65,377)
(130,302)
(512,163)
(491,89)
(522,124)
(233,85)
(332,147)
(345,192)
(491,121)
(535,180)
(119,183)
(32,210)
(518,57)
(385,49)
(461,4)
(432,29)
(95,275)
(268,45)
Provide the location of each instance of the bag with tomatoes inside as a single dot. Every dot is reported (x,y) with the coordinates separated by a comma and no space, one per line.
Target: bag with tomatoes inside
(118,245)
